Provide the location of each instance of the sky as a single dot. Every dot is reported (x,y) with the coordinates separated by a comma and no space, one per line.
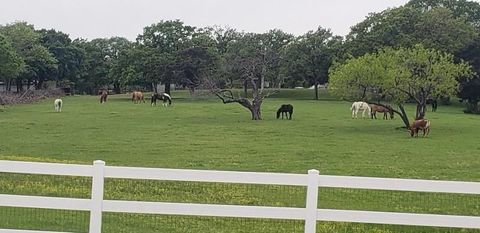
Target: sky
(91,19)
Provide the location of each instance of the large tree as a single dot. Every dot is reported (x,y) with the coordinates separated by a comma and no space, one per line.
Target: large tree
(167,38)
(11,65)
(399,75)
(255,58)
(40,63)
(470,88)
(470,10)
(100,55)
(438,28)
(68,55)
(308,58)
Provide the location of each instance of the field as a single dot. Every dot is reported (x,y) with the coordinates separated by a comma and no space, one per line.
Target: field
(203,133)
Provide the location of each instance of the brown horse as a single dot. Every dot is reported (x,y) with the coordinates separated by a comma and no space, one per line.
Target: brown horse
(103,96)
(137,96)
(418,125)
(377,108)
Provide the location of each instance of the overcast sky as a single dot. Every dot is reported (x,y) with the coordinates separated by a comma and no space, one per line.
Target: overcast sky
(105,18)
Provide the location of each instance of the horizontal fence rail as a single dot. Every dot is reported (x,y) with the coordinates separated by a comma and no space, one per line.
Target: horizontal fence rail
(310,214)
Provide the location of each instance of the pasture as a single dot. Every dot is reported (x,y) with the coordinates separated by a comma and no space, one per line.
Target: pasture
(206,134)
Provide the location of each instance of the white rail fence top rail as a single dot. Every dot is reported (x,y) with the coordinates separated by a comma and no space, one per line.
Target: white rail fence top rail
(310,213)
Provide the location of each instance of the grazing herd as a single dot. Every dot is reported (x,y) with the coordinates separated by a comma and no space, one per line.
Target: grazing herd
(372,109)
(287,109)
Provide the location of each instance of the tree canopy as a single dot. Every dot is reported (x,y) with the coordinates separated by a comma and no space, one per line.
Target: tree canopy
(399,75)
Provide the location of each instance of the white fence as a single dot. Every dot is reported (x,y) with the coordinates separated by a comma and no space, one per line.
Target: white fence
(310,214)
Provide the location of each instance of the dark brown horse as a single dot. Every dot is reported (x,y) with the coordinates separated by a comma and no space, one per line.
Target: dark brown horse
(137,97)
(377,108)
(284,109)
(103,96)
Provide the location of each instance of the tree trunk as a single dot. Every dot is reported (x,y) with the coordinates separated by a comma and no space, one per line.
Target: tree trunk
(116,88)
(316,90)
(256,109)
(155,87)
(8,85)
(191,90)
(404,116)
(245,88)
(167,87)
(19,84)
(420,113)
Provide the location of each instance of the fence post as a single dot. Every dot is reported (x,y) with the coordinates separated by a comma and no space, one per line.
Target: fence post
(97,197)
(311,203)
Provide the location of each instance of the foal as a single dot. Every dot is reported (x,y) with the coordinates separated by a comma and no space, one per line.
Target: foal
(285,108)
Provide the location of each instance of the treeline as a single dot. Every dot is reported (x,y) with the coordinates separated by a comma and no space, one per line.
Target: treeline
(170,52)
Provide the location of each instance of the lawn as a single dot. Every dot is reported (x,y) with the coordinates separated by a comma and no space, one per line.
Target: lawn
(203,133)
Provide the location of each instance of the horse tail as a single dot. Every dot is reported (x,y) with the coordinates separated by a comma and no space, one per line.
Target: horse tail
(60,104)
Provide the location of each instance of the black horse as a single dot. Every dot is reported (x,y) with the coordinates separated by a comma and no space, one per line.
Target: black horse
(285,108)
(163,96)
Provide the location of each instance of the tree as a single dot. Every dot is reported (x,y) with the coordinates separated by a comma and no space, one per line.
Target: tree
(193,62)
(470,88)
(39,62)
(438,28)
(399,76)
(309,57)
(11,65)
(167,38)
(255,59)
(68,55)
(100,55)
(470,10)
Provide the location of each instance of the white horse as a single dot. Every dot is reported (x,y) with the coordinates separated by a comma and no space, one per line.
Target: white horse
(58,105)
(360,106)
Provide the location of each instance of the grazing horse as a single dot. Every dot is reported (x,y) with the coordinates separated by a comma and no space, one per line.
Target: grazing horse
(417,125)
(137,96)
(433,102)
(103,96)
(164,97)
(58,105)
(377,108)
(284,109)
(360,106)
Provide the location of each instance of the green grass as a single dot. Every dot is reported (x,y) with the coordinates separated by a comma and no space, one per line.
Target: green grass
(203,133)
